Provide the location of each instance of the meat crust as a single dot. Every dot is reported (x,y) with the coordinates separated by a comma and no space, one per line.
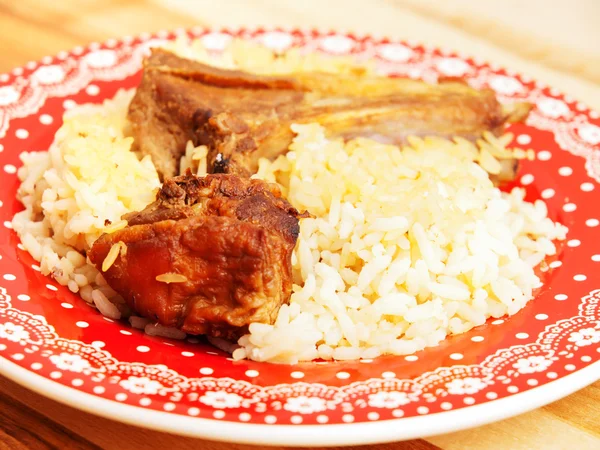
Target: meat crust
(228,240)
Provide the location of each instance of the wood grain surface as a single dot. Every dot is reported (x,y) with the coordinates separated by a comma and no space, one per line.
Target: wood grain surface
(555,41)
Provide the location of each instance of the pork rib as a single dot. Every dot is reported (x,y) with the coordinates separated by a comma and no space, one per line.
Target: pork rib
(242,117)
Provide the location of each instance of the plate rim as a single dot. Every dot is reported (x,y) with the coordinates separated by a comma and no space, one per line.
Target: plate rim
(362,433)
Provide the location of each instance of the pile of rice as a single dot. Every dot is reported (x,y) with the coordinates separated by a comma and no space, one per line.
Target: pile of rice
(405,246)
(78,190)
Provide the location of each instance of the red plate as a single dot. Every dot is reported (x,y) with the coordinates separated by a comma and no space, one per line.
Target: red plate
(52,342)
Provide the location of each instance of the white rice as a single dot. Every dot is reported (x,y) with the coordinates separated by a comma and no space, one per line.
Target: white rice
(78,190)
(405,247)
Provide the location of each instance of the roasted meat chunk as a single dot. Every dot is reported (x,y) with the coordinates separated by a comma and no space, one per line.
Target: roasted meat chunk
(210,256)
(242,117)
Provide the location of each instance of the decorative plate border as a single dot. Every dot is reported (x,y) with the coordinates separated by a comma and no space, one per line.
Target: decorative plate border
(25,336)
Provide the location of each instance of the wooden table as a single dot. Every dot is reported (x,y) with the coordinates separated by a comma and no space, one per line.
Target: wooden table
(559,47)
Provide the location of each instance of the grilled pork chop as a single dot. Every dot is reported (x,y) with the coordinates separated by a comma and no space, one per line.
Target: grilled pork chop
(210,256)
(242,117)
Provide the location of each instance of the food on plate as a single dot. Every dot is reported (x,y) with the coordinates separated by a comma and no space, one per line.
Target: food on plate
(387,231)
(241,117)
(210,256)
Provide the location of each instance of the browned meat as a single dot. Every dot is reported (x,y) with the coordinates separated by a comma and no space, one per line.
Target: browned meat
(222,247)
(242,117)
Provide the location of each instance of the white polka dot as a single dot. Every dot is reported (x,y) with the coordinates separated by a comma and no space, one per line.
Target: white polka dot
(297,374)
(2,347)
(532,382)
(477,338)
(296,419)
(565,171)
(98,344)
(456,356)
(551,375)
(77,382)
(322,419)
(541,316)
(446,406)
(491,395)
(20,246)
(468,400)
(570,367)
(92,89)
(125,332)
(366,361)
(548,193)
(521,335)
(188,354)
(422,409)
(9,168)
(206,371)
(592,223)
(586,187)
(498,322)
(55,375)
(1,204)
(66,305)
(594,114)
(388,375)
(527,179)
(193,411)
(524,139)
(586,358)
(580,277)
(8,224)
(569,207)
(69,104)
(342,375)
(272,419)
(373,415)
(35,267)
(9,277)
(574,243)
(561,297)
(36,366)
(169,406)
(251,373)
(24,297)
(411,358)
(596,258)
(99,390)
(145,401)
(245,417)
(46,119)
(82,324)
(52,287)
(555,264)
(397,413)
(348,418)
(544,155)
(22,133)
(142,349)
(512,389)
